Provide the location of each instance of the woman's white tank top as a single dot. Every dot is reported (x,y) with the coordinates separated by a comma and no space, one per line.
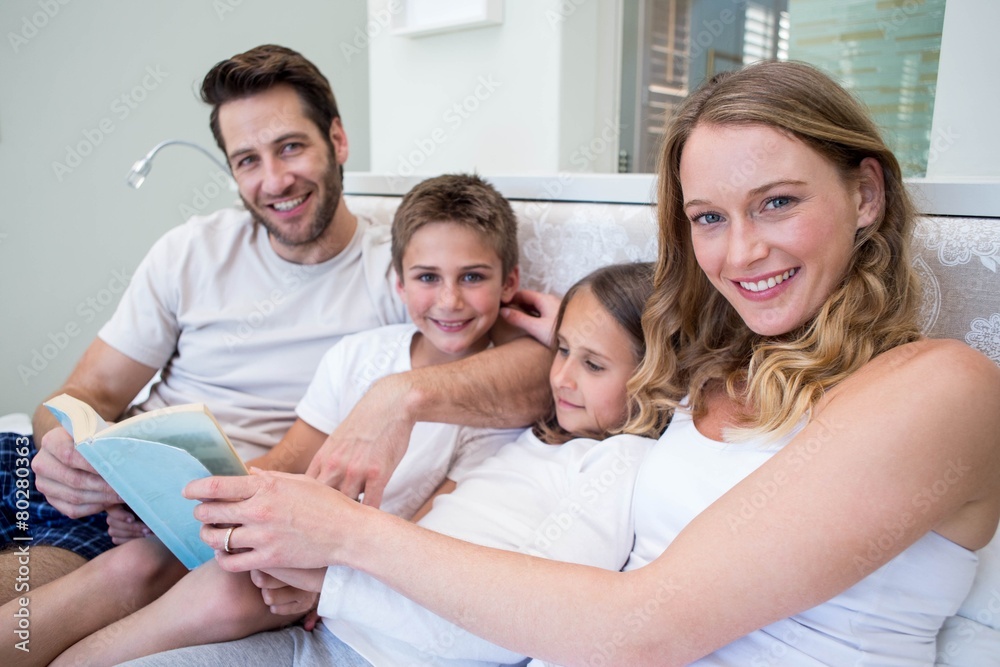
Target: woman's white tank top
(891,617)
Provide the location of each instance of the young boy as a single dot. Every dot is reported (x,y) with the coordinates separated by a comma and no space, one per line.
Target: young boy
(454,249)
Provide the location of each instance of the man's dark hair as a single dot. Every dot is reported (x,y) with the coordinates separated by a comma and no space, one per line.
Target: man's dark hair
(262,68)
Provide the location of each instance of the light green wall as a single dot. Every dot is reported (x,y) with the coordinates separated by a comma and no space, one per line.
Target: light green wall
(67,236)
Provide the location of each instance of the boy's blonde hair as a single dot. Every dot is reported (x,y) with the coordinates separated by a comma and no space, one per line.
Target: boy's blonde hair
(461,199)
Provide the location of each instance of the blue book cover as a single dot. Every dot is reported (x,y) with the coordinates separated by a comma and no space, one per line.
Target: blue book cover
(148,459)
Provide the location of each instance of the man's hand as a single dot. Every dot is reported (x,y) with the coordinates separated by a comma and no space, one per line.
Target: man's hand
(66,480)
(106,380)
(535,312)
(123,525)
(503,387)
(367,446)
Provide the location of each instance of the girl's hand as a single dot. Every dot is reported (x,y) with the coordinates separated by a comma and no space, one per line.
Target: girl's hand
(123,525)
(307,580)
(287,599)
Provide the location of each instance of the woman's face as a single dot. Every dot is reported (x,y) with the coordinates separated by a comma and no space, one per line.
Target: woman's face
(772,221)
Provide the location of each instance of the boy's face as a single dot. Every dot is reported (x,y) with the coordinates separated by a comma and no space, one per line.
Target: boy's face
(453,283)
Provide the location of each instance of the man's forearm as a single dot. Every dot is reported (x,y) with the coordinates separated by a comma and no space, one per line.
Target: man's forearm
(44,421)
(105,379)
(503,387)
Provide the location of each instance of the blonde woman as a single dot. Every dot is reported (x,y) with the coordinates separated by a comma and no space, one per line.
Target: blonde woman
(828,473)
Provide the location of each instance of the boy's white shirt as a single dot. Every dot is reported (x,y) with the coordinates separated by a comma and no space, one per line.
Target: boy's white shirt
(435,452)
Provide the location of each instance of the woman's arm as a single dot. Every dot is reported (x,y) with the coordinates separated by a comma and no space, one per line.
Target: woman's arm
(917,419)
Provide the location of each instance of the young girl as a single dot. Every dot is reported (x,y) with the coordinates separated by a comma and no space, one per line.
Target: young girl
(561,491)
(571,502)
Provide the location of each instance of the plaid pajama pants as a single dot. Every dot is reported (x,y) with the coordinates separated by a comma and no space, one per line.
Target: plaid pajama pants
(26,513)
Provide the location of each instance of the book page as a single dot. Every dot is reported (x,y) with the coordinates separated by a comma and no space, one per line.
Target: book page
(78,418)
(188,427)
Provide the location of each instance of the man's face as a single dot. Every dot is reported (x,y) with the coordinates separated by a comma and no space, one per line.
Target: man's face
(287,170)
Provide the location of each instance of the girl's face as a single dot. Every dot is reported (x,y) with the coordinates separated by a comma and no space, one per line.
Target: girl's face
(772,221)
(594,360)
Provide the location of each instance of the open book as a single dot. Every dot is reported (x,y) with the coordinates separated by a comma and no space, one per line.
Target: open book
(148,459)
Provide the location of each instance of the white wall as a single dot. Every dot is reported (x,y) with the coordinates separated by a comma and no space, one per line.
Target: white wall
(521,97)
(589,85)
(69,236)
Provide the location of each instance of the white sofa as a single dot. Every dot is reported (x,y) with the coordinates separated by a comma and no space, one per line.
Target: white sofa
(957,258)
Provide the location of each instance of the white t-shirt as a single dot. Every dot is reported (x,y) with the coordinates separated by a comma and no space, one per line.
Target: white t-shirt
(436,451)
(233,325)
(570,502)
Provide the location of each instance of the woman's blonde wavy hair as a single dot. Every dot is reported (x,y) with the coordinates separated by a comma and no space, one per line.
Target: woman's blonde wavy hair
(696,340)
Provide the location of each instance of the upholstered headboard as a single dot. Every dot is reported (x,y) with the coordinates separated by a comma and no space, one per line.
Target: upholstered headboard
(957,259)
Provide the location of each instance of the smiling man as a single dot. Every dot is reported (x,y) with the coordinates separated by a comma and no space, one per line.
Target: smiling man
(288,171)
(235,310)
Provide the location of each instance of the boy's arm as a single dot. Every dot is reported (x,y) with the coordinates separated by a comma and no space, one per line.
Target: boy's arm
(296,449)
(503,387)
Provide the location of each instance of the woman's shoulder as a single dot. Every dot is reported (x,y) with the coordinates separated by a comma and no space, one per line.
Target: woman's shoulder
(924,393)
(927,366)
(920,416)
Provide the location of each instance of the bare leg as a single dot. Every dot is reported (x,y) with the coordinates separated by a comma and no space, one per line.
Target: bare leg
(111,586)
(32,567)
(208,605)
